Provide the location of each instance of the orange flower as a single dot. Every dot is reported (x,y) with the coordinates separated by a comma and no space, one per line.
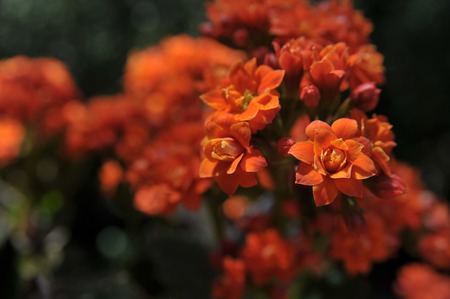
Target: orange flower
(232,284)
(333,160)
(249,94)
(229,158)
(268,254)
(379,131)
(417,281)
(435,248)
(358,251)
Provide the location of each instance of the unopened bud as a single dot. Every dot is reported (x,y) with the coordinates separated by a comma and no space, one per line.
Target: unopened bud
(240,37)
(207,29)
(310,95)
(284,145)
(365,96)
(387,186)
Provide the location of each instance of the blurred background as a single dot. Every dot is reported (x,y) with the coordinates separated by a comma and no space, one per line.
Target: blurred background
(94,37)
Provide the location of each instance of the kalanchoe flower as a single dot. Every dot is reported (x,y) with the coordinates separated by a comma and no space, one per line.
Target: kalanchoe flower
(249,94)
(229,158)
(379,132)
(332,161)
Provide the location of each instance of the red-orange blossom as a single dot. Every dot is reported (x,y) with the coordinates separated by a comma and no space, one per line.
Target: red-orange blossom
(333,160)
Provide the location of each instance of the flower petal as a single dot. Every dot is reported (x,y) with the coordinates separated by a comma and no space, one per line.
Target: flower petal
(303,151)
(325,193)
(271,81)
(363,167)
(322,140)
(242,133)
(345,128)
(351,187)
(207,168)
(306,175)
(314,126)
(234,164)
(253,161)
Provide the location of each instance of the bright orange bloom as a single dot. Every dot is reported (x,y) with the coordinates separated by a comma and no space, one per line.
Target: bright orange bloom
(333,160)
(328,72)
(249,94)
(11,136)
(379,131)
(267,255)
(229,158)
(417,281)
(156,199)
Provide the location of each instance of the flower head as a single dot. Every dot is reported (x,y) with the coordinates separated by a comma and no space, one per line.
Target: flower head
(229,158)
(332,160)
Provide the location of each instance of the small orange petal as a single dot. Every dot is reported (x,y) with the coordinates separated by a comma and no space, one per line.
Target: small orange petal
(351,187)
(363,167)
(253,161)
(242,133)
(207,168)
(323,140)
(303,151)
(345,128)
(271,81)
(314,126)
(234,164)
(325,193)
(306,175)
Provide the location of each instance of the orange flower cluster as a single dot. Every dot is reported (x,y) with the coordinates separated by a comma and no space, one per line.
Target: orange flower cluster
(32,91)
(245,102)
(417,281)
(266,256)
(245,22)
(155,127)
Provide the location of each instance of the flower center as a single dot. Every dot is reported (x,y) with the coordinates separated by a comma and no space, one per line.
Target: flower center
(243,102)
(226,149)
(333,159)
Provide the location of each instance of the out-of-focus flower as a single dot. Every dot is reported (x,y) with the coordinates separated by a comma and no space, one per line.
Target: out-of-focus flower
(110,175)
(12,134)
(232,284)
(435,248)
(332,161)
(268,255)
(418,281)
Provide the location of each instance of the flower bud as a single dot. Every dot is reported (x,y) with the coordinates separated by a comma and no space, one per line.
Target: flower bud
(283,146)
(310,95)
(240,37)
(365,96)
(387,186)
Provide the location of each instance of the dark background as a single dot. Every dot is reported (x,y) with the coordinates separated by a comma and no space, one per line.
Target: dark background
(93,37)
